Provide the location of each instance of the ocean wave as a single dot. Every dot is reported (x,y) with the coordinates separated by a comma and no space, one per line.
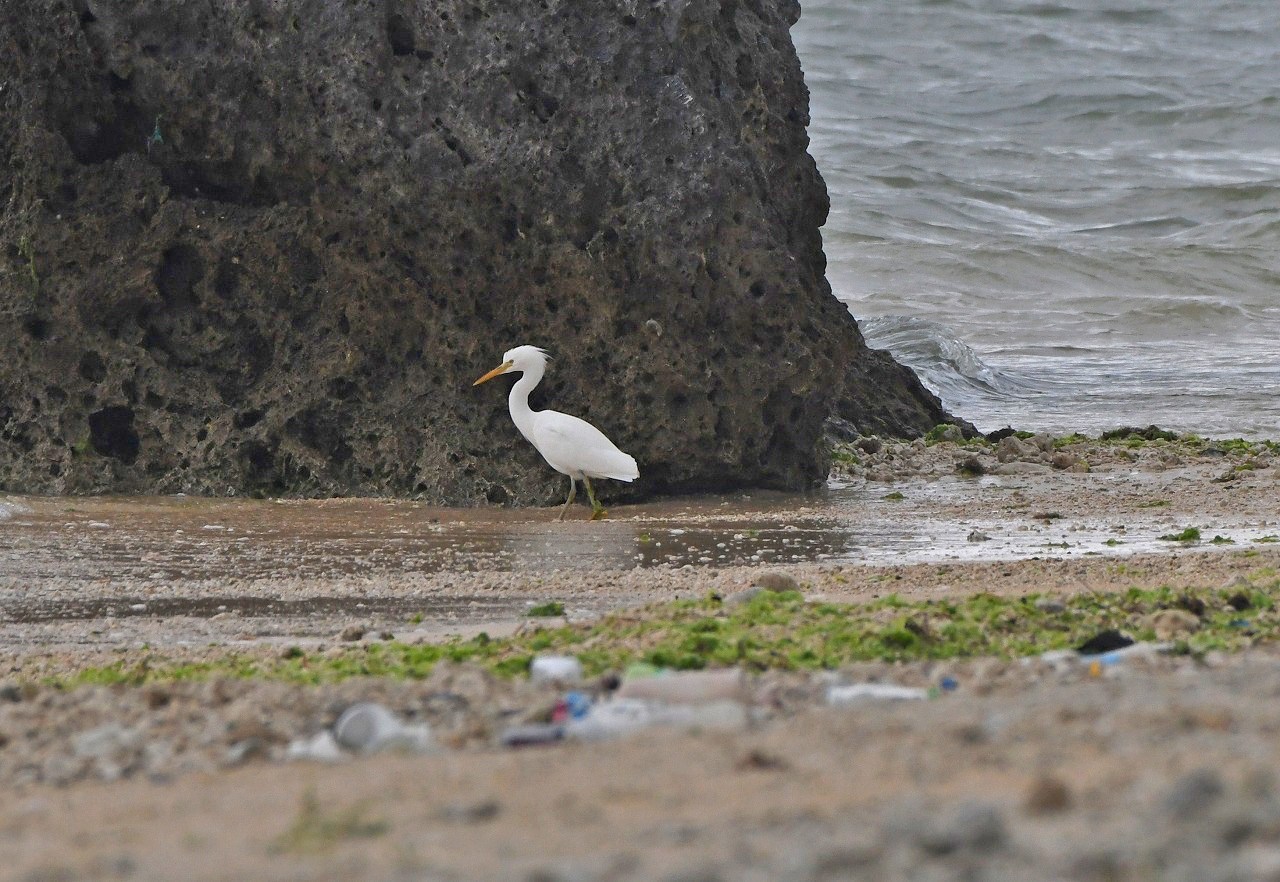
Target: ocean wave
(1062,213)
(944,362)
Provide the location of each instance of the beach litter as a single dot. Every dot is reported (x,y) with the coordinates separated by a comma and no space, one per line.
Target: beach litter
(621,717)
(563,669)
(364,728)
(1062,660)
(683,687)
(647,697)
(321,747)
(573,706)
(368,728)
(532,735)
(843,695)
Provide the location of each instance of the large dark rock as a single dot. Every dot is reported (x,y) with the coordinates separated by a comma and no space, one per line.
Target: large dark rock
(258,246)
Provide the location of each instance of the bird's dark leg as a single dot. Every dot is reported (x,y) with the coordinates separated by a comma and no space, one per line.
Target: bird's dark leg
(597,510)
(573,489)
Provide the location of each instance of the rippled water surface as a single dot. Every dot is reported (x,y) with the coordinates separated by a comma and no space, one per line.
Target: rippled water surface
(1065,215)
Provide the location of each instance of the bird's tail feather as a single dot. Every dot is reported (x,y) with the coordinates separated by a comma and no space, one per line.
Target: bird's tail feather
(626,474)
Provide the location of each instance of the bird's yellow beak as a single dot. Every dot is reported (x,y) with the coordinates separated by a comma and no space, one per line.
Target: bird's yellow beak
(496,372)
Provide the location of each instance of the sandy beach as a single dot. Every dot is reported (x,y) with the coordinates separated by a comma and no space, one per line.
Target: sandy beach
(1160,766)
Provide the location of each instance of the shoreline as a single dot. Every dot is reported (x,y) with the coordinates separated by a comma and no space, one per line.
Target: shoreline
(152,779)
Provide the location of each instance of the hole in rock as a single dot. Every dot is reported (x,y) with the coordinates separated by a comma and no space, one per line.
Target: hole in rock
(92,367)
(247,419)
(259,463)
(38,328)
(120,127)
(496,495)
(226,279)
(111,433)
(399,34)
(179,271)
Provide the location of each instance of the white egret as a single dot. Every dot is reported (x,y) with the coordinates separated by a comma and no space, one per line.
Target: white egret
(571,446)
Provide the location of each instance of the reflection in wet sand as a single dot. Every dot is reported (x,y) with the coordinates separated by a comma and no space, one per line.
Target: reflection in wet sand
(179,539)
(200,539)
(124,562)
(249,607)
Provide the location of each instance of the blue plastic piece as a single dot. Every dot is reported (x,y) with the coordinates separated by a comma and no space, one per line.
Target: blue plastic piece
(578,704)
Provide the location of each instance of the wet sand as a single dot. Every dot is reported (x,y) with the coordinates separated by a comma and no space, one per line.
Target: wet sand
(118,572)
(801,796)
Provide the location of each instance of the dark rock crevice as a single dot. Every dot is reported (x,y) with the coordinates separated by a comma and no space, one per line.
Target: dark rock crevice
(111,433)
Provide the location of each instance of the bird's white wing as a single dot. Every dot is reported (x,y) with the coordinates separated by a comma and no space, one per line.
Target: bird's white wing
(575,447)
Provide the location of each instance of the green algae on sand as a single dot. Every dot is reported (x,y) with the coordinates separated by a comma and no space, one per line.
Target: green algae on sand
(771,631)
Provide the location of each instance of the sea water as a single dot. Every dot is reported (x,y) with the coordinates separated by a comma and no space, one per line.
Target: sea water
(1065,215)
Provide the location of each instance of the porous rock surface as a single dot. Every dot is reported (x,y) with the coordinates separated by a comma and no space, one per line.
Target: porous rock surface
(264,246)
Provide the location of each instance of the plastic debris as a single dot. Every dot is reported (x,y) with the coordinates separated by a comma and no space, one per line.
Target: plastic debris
(858,692)
(1134,650)
(532,734)
(625,716)
(1057,657)
(321,747)
(369,728)
(574,706)
(1065,659)
(555,669)
(686,687)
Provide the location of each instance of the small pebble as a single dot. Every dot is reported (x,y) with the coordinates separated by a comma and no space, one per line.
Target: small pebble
(471,812)
(1047,795)
(1193,794)
(973,827)
(1173,623)
(775,580)
(1063,461)
(746,595)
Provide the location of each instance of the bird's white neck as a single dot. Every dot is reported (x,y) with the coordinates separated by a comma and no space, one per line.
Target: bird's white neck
(521,414)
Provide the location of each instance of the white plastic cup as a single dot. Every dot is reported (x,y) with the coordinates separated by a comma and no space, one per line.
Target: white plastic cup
(555,669)
(368,727)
